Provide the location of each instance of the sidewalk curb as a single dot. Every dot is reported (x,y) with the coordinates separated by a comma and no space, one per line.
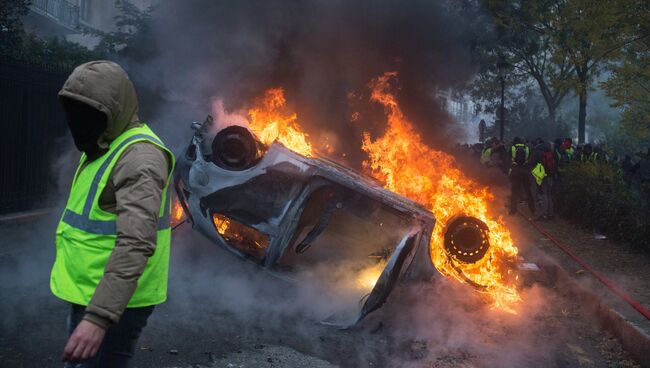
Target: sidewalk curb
(631,337)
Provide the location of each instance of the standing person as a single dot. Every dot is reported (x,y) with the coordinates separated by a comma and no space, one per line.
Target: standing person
(559,154)
(588,154)
(112,242)
(544,172)
(486,153)
(500,156)
(567,146)
(519,146)
(520,176)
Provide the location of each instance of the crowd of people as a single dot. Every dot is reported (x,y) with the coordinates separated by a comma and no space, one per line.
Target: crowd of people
(534,166)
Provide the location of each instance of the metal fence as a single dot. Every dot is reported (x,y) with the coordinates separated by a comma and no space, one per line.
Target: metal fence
(62,11)
(31,121)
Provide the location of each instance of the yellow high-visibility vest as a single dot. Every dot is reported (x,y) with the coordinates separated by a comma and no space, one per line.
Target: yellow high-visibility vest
(539,173)
(513,150)
(486,155)
(86,234)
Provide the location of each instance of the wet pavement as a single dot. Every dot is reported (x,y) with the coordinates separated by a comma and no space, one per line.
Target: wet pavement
(223,312)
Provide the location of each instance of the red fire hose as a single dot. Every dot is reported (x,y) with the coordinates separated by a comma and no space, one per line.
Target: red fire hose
(602,278)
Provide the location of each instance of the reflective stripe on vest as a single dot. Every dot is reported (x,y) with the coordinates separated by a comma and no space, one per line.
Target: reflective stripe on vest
(513,151)
(108,227)
(83,221)
(86,234)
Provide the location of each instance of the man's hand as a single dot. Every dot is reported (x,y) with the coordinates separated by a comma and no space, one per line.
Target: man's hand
(83,343)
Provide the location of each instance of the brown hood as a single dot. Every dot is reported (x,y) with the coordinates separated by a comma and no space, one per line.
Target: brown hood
(105,86)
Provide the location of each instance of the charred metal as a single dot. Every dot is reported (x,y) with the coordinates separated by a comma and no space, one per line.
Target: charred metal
(286,212)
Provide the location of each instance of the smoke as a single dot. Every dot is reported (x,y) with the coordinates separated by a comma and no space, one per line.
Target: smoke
(219,56)
(318,51)
(437,324)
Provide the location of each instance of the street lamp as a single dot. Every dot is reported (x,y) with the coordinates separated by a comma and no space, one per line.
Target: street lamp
(502,71)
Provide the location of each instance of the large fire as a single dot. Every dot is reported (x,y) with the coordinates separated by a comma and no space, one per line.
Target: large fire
(269,121)
(407,166)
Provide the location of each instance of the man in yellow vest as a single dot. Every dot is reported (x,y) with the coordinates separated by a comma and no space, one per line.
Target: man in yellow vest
(112,242)
(519,176)
(486,153)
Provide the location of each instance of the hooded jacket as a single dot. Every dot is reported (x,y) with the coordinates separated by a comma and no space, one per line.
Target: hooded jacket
(134,188)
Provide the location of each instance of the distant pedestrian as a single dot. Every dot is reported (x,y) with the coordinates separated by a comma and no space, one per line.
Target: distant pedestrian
(544,172)
(588,154)
(568,148)
(486,153)
(520,176)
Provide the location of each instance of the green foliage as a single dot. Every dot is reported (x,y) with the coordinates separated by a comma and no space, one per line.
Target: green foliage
(19,46)
(563,45)
(10,24)
(629,84)
(132,38)
(589,36)
(520,38)
(53,52)
(527,117)
(595,196)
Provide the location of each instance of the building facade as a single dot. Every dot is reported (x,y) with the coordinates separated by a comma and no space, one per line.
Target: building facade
(69,18)
(463,111)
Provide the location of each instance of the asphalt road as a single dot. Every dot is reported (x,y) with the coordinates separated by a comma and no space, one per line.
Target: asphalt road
(222,312)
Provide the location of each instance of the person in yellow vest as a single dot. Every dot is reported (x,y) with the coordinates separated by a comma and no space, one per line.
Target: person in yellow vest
(113,238)
(543,168)
(568,148)
(519,174)
(520,147)
(486,153)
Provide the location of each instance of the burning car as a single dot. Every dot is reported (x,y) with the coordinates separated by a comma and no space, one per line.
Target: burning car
(288,213)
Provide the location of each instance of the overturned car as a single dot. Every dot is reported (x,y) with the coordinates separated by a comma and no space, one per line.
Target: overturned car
(292,214)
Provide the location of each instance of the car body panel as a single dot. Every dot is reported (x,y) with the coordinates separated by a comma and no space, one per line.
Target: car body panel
(297,207)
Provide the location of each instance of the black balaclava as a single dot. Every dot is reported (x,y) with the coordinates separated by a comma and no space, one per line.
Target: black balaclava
(86,125)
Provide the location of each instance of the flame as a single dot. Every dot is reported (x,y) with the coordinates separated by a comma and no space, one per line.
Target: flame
(408,167)
(240,236)
(270,122)
(177,212)
(368,277)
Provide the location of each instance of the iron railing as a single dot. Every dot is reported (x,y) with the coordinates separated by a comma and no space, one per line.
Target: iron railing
(62,11)
(32,122)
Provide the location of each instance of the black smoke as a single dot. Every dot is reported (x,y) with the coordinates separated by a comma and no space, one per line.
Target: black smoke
(318,51)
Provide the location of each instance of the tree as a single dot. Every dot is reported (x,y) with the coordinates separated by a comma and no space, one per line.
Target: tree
(132,38)
(629,84)
(521,40)
(54,52)
(17,45)
(564,45)
(588,36)
(11,26)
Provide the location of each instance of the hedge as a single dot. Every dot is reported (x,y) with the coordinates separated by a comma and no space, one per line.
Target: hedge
(594,195)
